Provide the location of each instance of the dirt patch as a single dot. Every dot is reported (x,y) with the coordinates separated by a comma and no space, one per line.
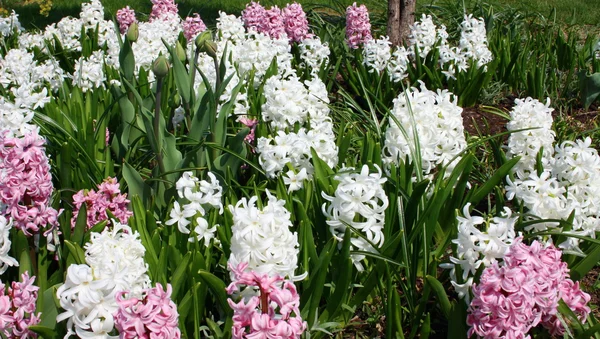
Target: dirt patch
(587,284)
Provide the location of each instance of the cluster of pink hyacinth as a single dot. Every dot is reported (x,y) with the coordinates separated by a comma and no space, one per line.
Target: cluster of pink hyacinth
(296,24)
(511,299)
(268,315)
(274,22)
(251,124)
(17,308)
(26,183)
(358,25)
(108,198)
(125,17)
(161,8)
(155,316)
(192,26)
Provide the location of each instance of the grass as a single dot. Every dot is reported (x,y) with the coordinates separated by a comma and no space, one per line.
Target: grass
(573,12)
(208,9)
(580,12)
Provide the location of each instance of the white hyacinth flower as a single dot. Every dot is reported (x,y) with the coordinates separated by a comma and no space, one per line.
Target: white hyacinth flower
(263,238)
(114,263)
(359,201)
(377,54)
(434,120)
(197,197)
(5,259)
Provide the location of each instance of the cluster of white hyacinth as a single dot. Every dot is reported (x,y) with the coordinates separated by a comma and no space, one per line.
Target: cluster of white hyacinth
(114,263)
(313,53)
(531,127)
(377,54)
(262,238)
(480,241)
(246,53)
(424,37)
(197,197)
(150,41)
(9,24)
(286,101)
(89,72)
(5,259)
(28,82)
(430,120)
(569,178)
(289,103)
(359,201)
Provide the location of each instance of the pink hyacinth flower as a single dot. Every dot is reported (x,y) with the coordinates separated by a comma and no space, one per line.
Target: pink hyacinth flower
(192,26)
(295,22)
(107,199)
(125,17)
(358,25)
(274,313)
(17,308)
(155,316)
(523,293)
(254,16)
(26,184)
(162,8)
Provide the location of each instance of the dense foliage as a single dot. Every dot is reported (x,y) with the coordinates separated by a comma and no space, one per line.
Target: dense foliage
(289,174)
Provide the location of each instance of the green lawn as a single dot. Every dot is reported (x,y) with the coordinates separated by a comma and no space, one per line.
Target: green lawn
(582,12)
(208,9)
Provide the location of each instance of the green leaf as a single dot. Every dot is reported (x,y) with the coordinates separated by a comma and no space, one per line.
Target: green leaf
(590,87)
(127,60)
(585,265)
(496,178)
(439,290)
(50,310)
(182,79)
(177,279)
(135,183)
(344,267)
(80,225)
(217,287)
(25,263)
(44,332)
(76,251)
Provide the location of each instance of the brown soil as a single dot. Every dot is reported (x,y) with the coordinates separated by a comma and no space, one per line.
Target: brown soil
(587,284)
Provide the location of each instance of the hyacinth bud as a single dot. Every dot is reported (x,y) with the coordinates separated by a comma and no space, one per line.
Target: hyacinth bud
(210,47)
(133,32)
(160,67)
(201,38)
(180,52)
(175,100)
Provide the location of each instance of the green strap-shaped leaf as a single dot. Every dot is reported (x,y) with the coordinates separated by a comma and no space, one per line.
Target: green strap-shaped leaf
(217,287)
(590,87)
(439,290)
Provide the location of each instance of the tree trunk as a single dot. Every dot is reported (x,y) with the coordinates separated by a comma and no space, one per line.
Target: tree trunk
(393,22)
(401,16)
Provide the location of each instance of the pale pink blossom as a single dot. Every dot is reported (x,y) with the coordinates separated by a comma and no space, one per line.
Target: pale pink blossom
(192,26)
(269,22)
(274,313)
(162,8)
(154,316)
(250,123)
(254,16)
(17,308)
(26,183)
(523,293)
(358,25)
(295,22)
(108,199)
(125,17)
